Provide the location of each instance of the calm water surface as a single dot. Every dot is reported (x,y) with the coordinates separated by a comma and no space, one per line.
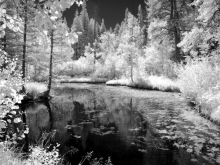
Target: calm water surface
(133,127)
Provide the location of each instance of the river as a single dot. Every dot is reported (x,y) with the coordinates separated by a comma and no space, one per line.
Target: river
(132,127)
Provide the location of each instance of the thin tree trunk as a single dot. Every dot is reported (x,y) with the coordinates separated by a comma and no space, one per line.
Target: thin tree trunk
(94,58)
(132,80)
(174,18)
(25,41)
(176,32)
(4,65)
(4,42)
(51,61)
(94,44)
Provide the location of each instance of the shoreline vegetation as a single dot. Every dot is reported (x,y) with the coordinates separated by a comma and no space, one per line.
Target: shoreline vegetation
(150,83)
(35,91)
(198,97)
(197,90)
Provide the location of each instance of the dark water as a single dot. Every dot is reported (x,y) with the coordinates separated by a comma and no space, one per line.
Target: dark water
(132,127)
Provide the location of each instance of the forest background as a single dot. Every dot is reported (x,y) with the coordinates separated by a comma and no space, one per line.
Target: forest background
(172,41)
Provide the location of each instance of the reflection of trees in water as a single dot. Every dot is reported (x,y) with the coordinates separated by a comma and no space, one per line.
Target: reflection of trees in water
(95,114)
(38,120)
(121,116)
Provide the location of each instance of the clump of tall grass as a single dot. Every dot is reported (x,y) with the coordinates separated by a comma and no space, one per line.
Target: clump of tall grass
(33,89)
(151,83)
(121,82)
(199,79)
(9,155)
(156,83)
(39,154)
(42,154)
(74,68)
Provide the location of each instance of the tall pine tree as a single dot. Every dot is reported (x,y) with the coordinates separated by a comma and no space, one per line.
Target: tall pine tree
(102,28)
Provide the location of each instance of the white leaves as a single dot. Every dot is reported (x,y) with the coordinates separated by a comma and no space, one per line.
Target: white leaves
(79,2)
(72,38)
(13,112)
(26,131)
(3,11)
(191,39)
(207,10)
(10,85)
(43,39)
(17,120)
(156,28)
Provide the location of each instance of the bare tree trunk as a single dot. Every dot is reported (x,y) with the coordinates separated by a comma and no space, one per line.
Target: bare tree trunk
(132,80)
(176,32)
(51,61)
(94,58)
(25,41)
(4,42)
(174,18)
(94,44)
(4,65)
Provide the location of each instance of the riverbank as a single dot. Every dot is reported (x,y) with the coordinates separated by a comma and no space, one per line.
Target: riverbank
(35,91)
(149,83)
(206,105)
(89,80)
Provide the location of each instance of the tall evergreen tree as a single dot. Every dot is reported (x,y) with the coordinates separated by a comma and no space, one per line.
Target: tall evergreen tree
(91,31)
(116,30)
(111,30)
(102,28)
(140,17)
(84,37)
(98,29)
(84,18)
(170,17)
(122,27)
(77,22)
(126,16)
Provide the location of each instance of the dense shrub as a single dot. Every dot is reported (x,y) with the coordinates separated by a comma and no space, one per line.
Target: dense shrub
(33,89)
(73,68)
(157,60)
(10,85)
(149,82)
(199,79)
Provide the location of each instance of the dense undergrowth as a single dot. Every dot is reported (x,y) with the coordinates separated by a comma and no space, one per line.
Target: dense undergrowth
(199,80)
(149,83)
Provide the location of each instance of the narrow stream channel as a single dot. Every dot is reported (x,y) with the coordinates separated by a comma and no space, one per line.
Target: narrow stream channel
(132,127)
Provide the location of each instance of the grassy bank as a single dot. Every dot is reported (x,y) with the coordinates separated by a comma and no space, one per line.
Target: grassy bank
(149,83)
(35,90)
(199,80)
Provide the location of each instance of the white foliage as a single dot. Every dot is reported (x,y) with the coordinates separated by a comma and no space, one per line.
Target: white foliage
(192,39)
(156,28)
(207,9)
(10,85)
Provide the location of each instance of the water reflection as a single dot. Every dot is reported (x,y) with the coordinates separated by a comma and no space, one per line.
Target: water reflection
(39,120)
(110,125)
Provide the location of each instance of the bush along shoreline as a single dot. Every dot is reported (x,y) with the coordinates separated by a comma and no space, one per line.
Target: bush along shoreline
(201,110)
(149,83)
(198,81)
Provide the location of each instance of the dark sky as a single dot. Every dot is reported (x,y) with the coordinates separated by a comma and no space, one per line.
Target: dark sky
(113,11)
